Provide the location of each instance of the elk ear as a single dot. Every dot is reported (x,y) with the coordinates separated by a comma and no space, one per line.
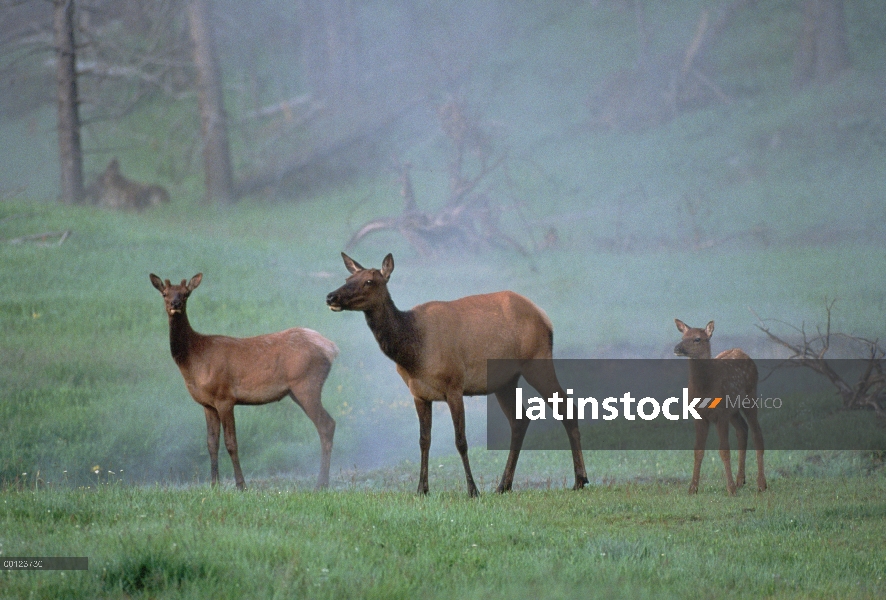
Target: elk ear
(158,283)
(681,325)
(709,329)
(195,281)
(350,264)
(387,266)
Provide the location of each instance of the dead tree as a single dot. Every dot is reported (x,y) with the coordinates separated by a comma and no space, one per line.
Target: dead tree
(470,217)
(868,392)
(70,152)
(822,52)
(660,87)
(213,120)
(330,44)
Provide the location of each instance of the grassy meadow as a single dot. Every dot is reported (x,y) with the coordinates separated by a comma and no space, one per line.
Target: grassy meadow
(768,206)
(810,537)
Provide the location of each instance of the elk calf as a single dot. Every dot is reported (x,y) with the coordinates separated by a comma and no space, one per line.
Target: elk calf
(441,349)
(221,372)
(112,190)
(732,373)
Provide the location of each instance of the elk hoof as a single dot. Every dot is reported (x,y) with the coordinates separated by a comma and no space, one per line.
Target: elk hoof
(693,489)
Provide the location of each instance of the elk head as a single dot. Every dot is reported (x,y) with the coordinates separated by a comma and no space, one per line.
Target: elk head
(364,289)
(176,296)
(696,343)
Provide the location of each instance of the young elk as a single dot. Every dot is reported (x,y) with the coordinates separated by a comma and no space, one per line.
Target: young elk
(732,373)
(221,372)
(441,349)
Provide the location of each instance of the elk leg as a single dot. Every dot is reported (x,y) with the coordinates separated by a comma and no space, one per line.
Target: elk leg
(578,462)
(701,438)
(741,433)
(309,400)
(227,420)
(540,374)
(423,408)
(506,398)
(723,434)
(455,400)
(212,433)
(758,446)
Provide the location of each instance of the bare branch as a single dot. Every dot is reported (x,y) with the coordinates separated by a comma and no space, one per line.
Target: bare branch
(810,353)
(43,239)
(470,217)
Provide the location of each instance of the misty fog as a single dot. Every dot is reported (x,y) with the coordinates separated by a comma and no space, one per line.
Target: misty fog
(620,162)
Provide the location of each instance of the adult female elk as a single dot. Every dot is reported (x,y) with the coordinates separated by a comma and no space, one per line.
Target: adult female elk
(221,372)
(441,349)
(732,373)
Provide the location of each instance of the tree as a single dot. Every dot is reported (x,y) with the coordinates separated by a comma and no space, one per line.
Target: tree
(213,120)
(823,51)
(70,152)
(329,46)
(865,389)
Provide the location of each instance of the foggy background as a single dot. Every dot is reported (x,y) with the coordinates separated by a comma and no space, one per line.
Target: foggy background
(620,162)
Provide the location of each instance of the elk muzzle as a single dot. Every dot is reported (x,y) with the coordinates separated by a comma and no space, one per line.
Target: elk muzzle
(176,305)
(333,302)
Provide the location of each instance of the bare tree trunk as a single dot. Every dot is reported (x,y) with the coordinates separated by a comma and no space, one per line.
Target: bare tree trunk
(329,48)
(70,152)
(213,120)
(823,51)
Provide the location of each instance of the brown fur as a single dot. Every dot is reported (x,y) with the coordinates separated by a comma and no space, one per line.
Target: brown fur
(221,372)
(112,190)
(441,349)
(732,373)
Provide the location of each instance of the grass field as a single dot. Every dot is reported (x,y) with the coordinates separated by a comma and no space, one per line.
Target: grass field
(811,537)
(767,206)
(89,384)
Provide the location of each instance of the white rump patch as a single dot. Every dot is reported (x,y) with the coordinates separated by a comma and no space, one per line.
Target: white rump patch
(326,345)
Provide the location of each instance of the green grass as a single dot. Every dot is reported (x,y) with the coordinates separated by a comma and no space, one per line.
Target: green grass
(807,536)
(88,379)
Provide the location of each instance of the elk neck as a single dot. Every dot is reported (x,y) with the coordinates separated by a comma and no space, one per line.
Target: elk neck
(702,372)
(183,340)
(397,333)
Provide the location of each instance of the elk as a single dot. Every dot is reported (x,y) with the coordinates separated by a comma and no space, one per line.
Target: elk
(221,372)
(732,373)
(112,190)
(441,349)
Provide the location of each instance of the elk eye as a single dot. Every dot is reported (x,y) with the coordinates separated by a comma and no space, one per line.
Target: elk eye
(368,282)
(697,339)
